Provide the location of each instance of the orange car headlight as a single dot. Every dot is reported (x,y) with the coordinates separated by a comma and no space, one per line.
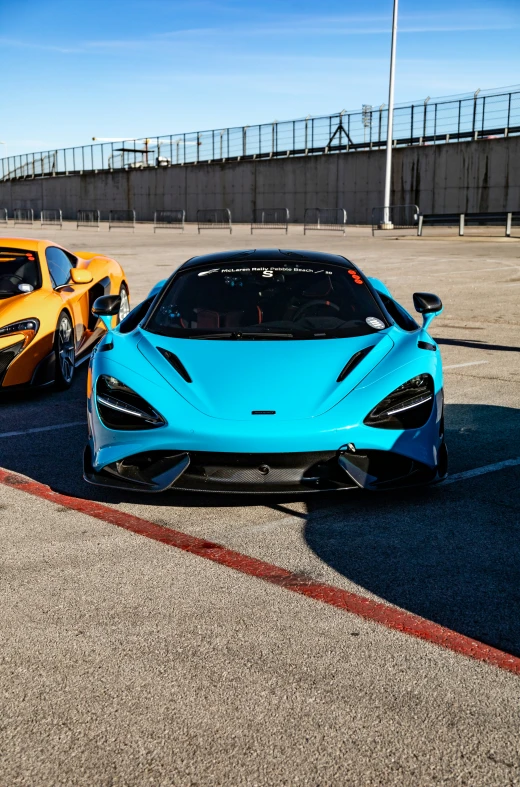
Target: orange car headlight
(29,328)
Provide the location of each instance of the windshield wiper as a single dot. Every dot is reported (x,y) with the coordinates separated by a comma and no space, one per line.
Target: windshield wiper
(237,335)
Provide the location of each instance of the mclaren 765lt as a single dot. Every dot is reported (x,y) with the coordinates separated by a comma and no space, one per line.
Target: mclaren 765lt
(46,322)
(266,371)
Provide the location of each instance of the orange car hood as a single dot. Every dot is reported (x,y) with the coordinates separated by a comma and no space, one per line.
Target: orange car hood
(19,307)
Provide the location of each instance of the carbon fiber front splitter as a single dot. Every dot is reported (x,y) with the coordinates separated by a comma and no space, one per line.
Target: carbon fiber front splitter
(291,473)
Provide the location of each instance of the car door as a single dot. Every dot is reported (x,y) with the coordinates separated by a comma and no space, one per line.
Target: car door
(75,296)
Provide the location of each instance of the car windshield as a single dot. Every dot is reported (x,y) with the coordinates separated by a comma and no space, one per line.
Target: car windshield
(19,271)
(267,301)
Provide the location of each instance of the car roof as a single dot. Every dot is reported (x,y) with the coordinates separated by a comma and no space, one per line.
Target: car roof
(265,255)
(29,244)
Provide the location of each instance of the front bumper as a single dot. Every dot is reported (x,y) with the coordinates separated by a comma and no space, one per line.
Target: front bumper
(196,452)
(248,473)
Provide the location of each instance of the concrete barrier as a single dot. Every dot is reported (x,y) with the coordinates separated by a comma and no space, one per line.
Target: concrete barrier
(460,177)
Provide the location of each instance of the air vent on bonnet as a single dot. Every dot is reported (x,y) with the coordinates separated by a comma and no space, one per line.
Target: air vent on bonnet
(176,363)
(354,361)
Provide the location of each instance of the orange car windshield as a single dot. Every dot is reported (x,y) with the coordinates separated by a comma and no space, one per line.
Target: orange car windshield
(19,272)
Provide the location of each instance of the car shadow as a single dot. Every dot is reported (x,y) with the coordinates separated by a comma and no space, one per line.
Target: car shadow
(448,553)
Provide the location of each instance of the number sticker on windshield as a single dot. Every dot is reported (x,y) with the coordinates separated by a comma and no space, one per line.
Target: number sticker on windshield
(376,323)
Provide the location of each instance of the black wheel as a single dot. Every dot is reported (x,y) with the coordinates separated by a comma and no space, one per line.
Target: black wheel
(124,309)
(64,351)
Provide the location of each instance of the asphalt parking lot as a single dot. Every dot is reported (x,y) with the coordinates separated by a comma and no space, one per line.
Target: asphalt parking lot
(128,661)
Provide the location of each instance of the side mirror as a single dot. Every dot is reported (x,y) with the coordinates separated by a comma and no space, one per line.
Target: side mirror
(105,307)
(428,305)
(80,276)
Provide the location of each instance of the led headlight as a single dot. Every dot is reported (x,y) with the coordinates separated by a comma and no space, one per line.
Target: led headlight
(408,407)
(29,328)
(120,407)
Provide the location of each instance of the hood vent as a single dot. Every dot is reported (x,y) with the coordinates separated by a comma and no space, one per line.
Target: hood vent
(176,363)
(354,361)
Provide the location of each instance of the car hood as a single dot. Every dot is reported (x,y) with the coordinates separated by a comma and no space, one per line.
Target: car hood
(24,305)
(295,379)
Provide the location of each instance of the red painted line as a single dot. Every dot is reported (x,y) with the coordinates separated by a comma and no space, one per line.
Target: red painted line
(376,611)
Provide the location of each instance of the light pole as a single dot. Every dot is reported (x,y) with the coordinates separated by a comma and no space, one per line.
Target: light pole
(387,225)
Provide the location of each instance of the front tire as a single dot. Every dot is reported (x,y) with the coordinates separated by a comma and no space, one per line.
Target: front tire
(64,352)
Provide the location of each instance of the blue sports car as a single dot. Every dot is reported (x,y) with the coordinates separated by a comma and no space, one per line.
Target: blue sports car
(266,371)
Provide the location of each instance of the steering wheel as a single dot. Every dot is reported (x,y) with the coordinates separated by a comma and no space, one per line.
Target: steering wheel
(299,313)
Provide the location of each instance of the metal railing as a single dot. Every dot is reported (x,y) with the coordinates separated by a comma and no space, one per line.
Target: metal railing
(216,219)
(23,216)
(169,219)
(123,219)
(477,116)
(4,216)
(401,217)
(88,218)
(270,219)
(49,217)
(503,219)
(327,219)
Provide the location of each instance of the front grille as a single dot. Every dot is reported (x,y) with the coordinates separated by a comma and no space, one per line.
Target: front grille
(262,472)
(7,355)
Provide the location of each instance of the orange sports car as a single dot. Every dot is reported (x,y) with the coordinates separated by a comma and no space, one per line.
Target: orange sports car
(46,324)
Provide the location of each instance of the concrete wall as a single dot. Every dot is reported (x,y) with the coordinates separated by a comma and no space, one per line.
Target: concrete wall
(459,177)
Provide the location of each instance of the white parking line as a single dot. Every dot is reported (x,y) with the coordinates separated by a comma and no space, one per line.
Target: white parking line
(468,363)
(43,429)
(481,470)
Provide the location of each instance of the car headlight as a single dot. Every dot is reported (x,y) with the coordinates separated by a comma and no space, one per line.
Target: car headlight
(120,407)
(408,407)
(29,328)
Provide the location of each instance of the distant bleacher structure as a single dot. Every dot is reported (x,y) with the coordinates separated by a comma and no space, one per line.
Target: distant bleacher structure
(484,115)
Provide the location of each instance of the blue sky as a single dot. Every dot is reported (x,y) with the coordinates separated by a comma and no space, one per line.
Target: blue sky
(73,70)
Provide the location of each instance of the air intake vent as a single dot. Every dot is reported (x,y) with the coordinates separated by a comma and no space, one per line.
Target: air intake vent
(354,361)
(176,363)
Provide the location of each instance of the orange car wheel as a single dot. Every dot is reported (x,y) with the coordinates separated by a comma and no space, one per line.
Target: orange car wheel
(64,350)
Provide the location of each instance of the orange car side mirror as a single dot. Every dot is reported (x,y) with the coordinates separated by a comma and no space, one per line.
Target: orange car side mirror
(80,276)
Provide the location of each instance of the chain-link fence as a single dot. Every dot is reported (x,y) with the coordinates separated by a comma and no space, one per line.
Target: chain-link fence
(480,115)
